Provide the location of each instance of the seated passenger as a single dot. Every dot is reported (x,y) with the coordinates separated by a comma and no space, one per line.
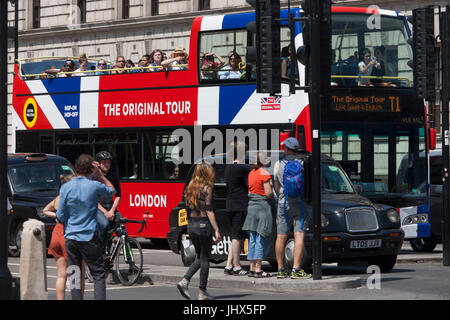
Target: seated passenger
(208,66)
(366,67)
(157,57)
(120,64)
(69,66)
(382,71)
(231,70)
(83,61)
(285,62)
(130,64)
(101,65)
(179,57)
(145,62)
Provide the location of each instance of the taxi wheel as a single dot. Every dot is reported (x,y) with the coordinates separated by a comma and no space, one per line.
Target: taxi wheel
(385,263)
(16,240)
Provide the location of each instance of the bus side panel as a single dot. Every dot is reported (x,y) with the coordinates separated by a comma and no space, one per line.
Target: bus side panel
(152,201)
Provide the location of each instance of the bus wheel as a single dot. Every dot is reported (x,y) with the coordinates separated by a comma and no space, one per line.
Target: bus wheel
(423,244)
(187,251)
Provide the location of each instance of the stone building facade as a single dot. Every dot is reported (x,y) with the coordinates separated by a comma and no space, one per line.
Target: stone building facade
(108,28)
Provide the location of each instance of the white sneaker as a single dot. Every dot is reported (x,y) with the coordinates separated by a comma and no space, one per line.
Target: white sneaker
(204,295)
(183,287)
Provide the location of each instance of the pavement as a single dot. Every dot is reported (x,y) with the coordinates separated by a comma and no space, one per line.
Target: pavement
(156,274)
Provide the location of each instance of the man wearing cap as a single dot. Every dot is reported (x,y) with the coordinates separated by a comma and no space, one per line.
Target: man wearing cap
(290,214)
(179,57)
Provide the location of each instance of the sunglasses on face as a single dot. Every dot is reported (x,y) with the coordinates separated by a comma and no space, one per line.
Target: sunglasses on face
(102,64)
(121,61)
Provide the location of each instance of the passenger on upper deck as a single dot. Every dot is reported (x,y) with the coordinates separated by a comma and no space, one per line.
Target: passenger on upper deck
(208,66)
(231,70)
(382,71)
(130,64)
(83,61)
(69,66)
(157,57)
(120,64)
(101,65)
(179,57)
(366,67)
(145,62)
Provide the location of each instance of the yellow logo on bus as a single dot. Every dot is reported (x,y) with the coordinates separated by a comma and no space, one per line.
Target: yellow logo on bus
(182,217)
(30,112)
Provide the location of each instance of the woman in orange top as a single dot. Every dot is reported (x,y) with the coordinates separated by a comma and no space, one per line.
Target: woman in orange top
(259,215)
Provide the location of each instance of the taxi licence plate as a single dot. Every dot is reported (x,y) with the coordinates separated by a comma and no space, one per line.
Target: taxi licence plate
(363,244)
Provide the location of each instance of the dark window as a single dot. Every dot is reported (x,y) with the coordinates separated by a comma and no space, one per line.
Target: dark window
(82,7)
(204,5)
(155,7)
(125,9)
(436,170)
(36,14)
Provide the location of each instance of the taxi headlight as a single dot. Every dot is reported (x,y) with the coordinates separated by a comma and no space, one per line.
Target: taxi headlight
(393,215)
(324,221)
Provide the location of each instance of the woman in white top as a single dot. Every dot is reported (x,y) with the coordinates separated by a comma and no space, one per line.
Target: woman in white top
(366,66)
(231,70)
(83,61)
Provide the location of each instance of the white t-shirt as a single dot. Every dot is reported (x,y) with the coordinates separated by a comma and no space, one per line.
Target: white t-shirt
(227,73)
(367,73)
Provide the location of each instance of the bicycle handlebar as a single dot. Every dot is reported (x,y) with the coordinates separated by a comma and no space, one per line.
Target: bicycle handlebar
(142,222)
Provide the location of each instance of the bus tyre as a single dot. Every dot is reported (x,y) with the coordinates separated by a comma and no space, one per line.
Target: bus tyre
(423,244)
(16,239)
(385,263)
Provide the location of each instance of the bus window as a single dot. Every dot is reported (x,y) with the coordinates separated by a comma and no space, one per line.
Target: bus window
(387,45)
(158,150)
(222,56)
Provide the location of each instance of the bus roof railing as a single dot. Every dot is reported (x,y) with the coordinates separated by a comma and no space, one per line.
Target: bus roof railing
(94,72)
(373,77)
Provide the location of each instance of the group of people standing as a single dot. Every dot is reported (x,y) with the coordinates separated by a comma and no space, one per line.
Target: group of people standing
(83,209)
(250,190)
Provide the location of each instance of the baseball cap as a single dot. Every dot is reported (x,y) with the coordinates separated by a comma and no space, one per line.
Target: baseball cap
(291,143)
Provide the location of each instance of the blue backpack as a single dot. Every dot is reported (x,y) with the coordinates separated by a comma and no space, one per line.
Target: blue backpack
(293,184)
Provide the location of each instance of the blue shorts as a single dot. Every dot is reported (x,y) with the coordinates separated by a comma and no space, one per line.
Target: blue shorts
(258,246)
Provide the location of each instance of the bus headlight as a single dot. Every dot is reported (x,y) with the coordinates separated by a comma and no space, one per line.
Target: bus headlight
(416,218)
(393,216)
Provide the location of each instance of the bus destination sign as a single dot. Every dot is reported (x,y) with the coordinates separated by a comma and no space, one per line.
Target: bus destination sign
(365,103)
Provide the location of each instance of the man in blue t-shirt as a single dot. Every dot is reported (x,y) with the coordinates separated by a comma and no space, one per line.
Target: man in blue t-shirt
(77,212)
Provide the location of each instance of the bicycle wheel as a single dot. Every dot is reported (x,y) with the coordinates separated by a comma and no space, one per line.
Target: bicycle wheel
(129,261)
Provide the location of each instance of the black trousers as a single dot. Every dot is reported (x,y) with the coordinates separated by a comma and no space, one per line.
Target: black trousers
(91,252)
(203,246)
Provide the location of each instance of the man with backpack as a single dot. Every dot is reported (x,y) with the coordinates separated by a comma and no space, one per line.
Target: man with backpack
(288,182)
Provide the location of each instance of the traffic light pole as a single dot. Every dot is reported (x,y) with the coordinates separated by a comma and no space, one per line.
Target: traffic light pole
(5,275)
(314,106)
(445,54)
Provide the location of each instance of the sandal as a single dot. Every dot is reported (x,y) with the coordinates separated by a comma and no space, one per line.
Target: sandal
(262,274)
(251,274)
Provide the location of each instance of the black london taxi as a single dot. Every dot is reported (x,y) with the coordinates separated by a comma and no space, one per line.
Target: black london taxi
(353,228)
(33,181)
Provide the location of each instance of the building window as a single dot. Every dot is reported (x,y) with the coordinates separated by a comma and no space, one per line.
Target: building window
(125,9)
(82,8)
(155,7)
(204,5)
(36,14)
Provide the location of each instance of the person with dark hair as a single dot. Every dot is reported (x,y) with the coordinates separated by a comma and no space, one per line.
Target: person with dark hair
(202,226)
(259,215)
(157,57)
(107,206)
(232,69)
(236,174)
(83,62)
(77,212)
(145,62)
(366,67)
(69,66)
(382,71)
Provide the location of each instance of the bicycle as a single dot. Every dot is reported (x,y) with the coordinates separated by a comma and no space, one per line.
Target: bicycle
(123,254)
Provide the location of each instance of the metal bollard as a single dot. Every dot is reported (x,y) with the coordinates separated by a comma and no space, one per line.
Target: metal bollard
(33,262)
